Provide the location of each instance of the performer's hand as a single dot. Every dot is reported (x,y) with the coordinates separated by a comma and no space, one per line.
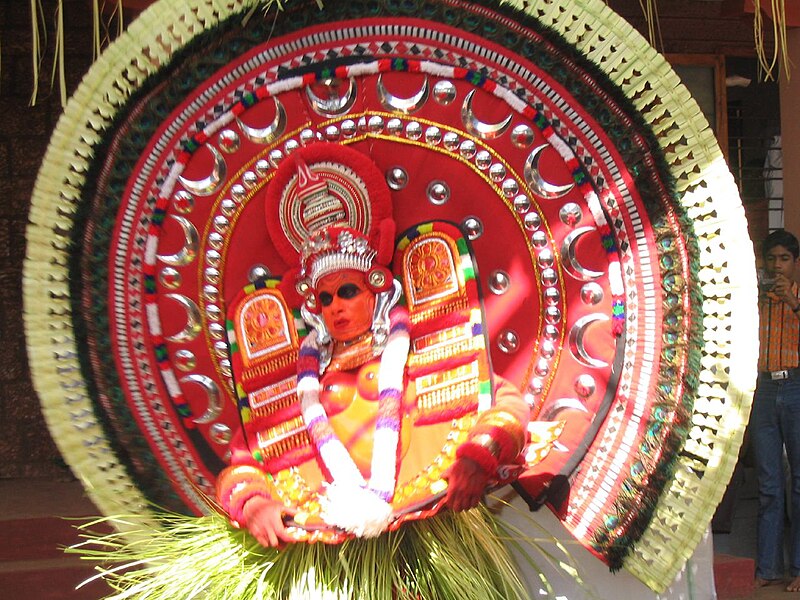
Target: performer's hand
(466,484)
(264,519)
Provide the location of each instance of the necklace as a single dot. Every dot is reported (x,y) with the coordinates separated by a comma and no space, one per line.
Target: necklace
(351,354)
(350,502)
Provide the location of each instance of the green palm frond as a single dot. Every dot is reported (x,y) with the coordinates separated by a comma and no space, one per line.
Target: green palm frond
(453,556)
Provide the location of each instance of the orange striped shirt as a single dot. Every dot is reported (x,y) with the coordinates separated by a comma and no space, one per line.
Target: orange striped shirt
(779,334)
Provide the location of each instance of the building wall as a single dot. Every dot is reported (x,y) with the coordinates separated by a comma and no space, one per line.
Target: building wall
(790,129)
(694,26)
(687,26)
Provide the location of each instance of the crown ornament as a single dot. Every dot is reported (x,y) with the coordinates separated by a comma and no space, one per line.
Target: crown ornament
(335,249)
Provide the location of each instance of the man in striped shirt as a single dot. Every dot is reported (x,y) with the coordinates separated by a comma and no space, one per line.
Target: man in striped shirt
(775,419)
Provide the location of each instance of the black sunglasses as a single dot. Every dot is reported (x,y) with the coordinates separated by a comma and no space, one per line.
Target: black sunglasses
(345,292)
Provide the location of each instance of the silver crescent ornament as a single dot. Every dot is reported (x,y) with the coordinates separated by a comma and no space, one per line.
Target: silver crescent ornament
(570,261)
(539,184)
(334,105)
(191,244)
(214,409)
(270,133)
(576,343)
(404,105)
(551,411)
(211,183)
(192,327)
(485,131)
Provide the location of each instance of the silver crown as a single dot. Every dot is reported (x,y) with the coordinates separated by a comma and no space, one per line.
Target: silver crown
(347,252)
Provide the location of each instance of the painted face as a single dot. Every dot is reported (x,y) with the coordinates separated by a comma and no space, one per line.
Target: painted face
(779,260)
(347,304)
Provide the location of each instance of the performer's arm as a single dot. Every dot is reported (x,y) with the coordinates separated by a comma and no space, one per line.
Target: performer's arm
(497,438)
(243,491)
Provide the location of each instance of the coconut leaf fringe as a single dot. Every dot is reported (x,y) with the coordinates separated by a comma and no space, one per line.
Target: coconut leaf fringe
(214,48)
(458,556)
(114,156)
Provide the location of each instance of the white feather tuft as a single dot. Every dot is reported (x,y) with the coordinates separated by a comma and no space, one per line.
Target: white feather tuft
(357,510)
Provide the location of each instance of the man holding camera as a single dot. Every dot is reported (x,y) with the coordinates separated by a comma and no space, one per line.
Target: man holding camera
(775,419)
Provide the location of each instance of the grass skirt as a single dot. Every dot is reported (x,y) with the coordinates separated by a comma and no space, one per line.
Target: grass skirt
(451,556)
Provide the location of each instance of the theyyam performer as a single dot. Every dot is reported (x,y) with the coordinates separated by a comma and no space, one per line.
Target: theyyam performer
(381,409)
(316,282)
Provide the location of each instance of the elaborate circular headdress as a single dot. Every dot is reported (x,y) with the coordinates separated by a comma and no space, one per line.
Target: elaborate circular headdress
(603,220)
(328,208)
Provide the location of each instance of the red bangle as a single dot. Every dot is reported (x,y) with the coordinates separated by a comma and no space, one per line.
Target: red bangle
(481,455)
(236,485)
(505,444)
